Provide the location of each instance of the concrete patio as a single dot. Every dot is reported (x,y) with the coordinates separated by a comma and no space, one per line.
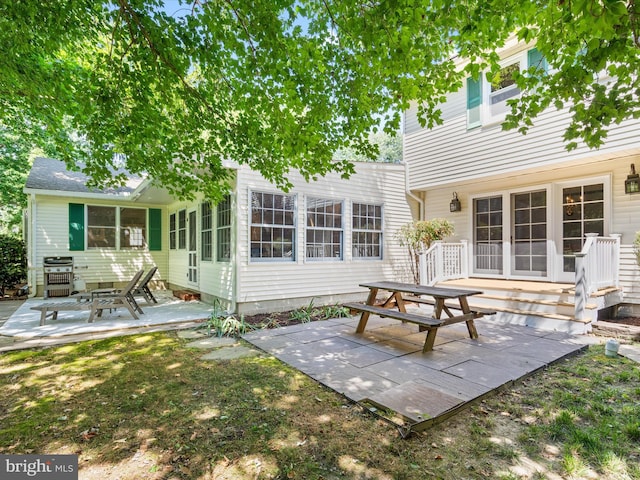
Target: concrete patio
(384,369)
(23,324)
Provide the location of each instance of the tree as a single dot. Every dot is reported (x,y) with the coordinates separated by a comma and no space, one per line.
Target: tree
(418,236)
(389,149)
(282,85)
(13,262)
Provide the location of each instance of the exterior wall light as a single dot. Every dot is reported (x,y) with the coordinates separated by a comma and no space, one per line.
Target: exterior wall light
(632,183)
(455,206)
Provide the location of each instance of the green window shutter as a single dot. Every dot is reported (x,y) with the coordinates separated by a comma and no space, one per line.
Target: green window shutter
(155,229)
(536,59)
(76,226)
(474,102)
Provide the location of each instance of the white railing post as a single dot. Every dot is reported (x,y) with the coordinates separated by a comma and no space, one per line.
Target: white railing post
(616,258)
(439,261)
(464,259)
(422,268)
(581,293)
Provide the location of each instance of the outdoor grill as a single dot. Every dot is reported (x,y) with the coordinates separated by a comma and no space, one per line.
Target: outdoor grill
(58,276)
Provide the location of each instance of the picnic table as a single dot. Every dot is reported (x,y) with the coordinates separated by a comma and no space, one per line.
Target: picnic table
(443,300)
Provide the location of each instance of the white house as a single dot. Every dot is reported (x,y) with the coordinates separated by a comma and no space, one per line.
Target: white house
(259,250)
(527,205)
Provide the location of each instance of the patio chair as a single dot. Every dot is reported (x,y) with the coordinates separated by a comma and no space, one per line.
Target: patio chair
(143,287)
(123,298)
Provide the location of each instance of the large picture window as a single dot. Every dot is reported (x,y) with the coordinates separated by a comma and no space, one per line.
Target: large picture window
(182,229)
(324,229)
(272,226)
(367,231)
(224,230)
(206,231)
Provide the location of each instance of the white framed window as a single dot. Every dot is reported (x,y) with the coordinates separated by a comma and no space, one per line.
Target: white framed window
(116,228)
(324,232)
(172,231)
(366,235)
(182,229)
(101,227)
(206,231)
(133,228)
(487,97)
(273,226)
(223,230)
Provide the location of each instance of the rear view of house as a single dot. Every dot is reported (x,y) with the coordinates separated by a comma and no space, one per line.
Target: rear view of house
(527,209)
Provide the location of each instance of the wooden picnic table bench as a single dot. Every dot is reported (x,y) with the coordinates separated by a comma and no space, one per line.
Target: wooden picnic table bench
(430,323)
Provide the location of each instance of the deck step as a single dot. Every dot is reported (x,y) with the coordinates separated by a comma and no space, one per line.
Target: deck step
(186,295)
(550,303)
(552,316)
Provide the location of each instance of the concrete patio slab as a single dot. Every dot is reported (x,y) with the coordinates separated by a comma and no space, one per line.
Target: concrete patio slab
(385,366)
(24,323)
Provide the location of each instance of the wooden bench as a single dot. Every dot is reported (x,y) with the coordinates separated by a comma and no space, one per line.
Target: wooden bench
(52,309)
(481,311)
(96,307)
(430,324)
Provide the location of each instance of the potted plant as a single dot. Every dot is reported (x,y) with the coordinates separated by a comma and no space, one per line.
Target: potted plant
(418,236)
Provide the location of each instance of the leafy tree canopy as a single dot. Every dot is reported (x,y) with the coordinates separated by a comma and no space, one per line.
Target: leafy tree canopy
(283,84)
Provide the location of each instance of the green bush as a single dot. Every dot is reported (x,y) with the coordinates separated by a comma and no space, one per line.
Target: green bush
(13,262)
(418,237)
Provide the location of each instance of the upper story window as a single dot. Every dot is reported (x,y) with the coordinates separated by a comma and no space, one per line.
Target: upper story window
(367,231)
(273,228)
(324,231)
(487,97)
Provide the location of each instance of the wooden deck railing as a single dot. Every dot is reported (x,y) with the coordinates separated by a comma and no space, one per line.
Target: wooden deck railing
(444,261)
(597,266)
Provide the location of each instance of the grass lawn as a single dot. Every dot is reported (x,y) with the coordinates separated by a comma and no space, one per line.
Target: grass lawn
(145,406)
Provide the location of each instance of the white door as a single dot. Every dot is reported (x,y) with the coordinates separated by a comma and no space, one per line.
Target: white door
(529,234)
(511,234)
(583,211)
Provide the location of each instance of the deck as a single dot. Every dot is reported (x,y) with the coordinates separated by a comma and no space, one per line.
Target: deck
(385,371)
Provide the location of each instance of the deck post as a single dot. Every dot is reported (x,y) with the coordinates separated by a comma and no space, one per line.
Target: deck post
(580,297)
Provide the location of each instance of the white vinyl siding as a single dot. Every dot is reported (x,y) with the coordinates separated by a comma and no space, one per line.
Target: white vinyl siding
(93,266)
(284,285)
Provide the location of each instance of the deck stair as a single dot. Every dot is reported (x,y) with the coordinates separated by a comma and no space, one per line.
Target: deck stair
(543,305)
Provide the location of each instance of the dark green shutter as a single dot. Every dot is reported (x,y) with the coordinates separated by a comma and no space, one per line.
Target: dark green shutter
(76,226)
(536,59)
(474,102)
(155,229)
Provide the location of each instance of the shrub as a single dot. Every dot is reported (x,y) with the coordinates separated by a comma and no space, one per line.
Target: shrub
(418,237)
(13,262)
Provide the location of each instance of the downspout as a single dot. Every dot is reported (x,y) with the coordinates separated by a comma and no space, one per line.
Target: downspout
(412,195)
(32,275)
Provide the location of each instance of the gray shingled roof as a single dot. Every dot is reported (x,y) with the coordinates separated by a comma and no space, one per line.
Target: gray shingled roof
(51,174)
